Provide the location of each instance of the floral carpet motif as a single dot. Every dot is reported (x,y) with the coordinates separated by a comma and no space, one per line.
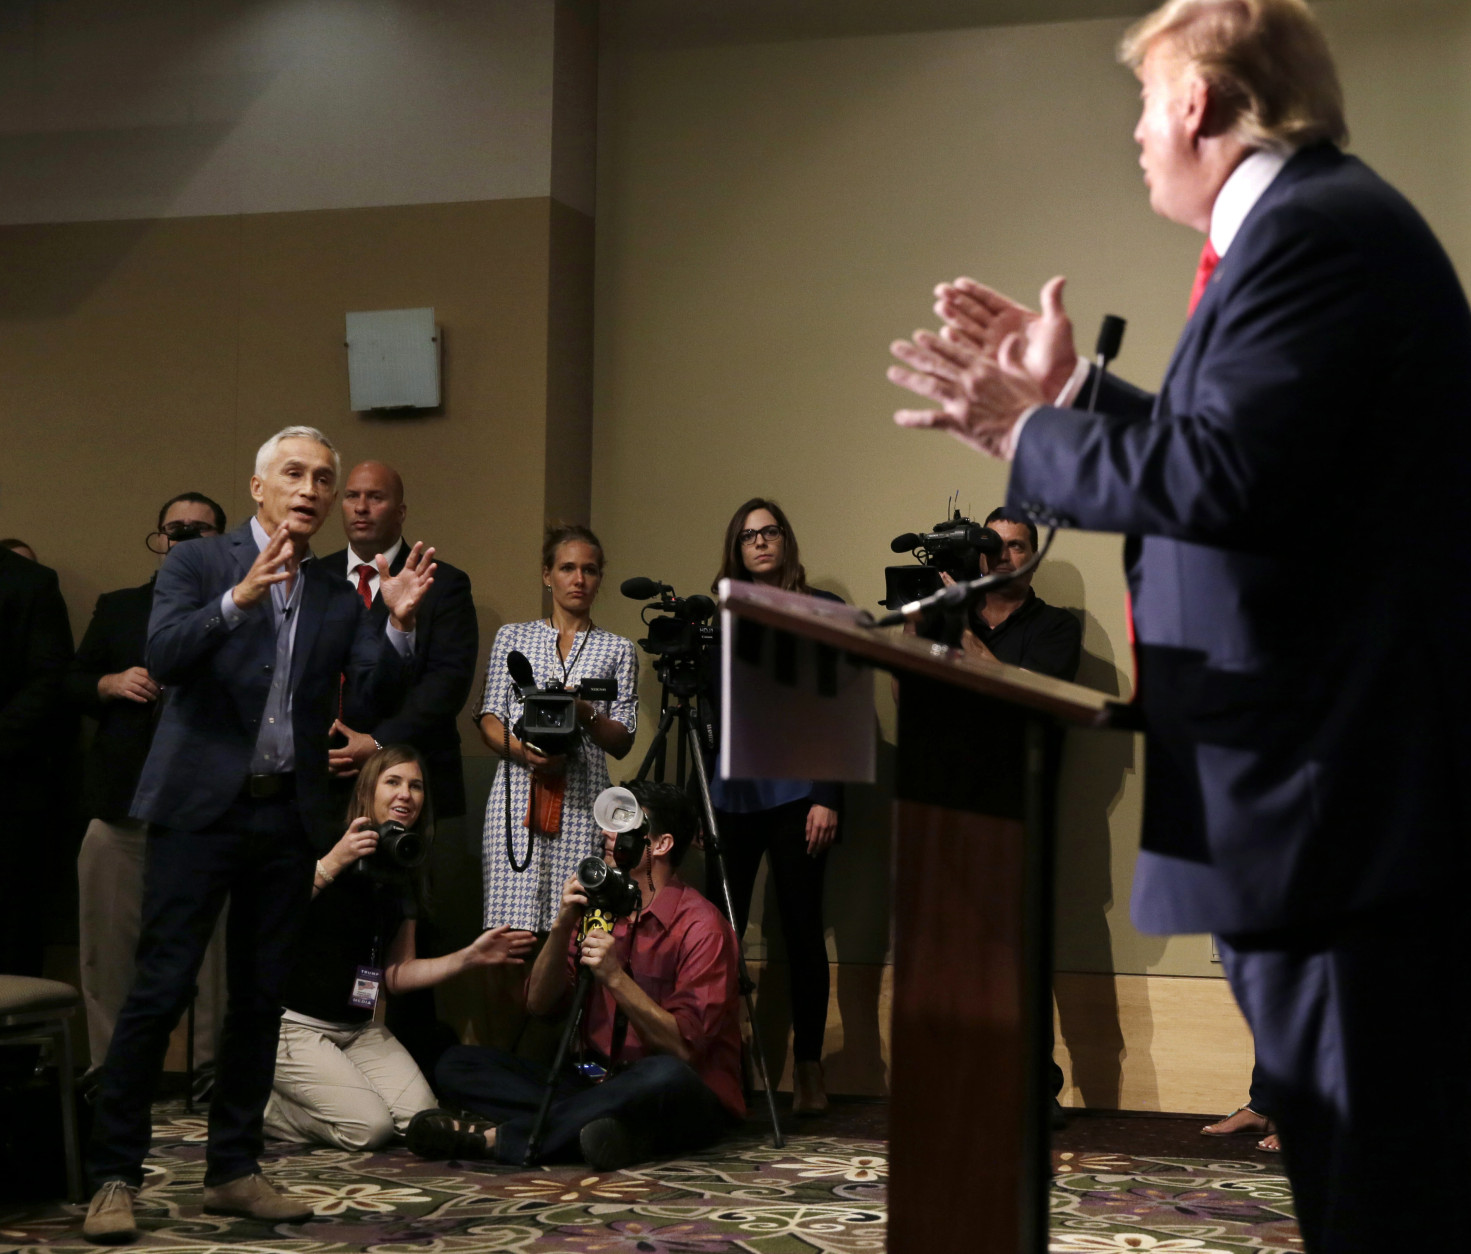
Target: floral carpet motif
(820,1194)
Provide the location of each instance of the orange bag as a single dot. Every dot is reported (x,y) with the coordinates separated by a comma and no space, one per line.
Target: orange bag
(544,804)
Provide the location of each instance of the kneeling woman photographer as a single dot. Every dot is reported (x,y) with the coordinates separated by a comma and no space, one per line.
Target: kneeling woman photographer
(791,822)
(342,1079)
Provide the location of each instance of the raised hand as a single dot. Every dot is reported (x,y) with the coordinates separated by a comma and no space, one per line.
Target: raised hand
(980,397)
(402,593)
(275,563)
(498,946)
(982,318)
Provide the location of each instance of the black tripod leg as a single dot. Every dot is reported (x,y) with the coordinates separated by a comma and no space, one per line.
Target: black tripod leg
(656,746)
(712,848)
(574,1017)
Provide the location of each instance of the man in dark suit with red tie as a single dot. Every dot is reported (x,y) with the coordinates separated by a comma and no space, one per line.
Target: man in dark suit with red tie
(1304,702)
(446,645)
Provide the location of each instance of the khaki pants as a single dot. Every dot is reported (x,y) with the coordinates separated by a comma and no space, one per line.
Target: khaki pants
(352,1087)
(110,896)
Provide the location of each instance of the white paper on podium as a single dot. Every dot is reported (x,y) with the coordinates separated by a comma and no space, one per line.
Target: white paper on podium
(770,729)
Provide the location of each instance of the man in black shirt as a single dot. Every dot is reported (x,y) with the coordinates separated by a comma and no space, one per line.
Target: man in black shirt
(1013,624)
(109,682)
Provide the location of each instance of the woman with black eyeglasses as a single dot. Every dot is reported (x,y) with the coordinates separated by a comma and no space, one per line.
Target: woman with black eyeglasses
(791,822)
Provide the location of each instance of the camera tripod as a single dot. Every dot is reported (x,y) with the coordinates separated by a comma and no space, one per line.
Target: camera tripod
(592,919)
(691,749)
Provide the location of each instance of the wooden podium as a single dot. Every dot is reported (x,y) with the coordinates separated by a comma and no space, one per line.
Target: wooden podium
(972,907)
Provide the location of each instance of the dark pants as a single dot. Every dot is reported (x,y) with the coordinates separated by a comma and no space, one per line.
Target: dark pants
(1257,1097)
(257,855)
(1341,1017)
(781,836)
(658,1097)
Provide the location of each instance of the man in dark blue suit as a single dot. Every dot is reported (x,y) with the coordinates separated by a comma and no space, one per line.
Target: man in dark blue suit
(35,647)
(249,639)
(1304,702)
(446,645)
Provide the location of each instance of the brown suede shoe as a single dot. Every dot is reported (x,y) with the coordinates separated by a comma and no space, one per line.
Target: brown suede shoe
(110,1216)
(255,1197)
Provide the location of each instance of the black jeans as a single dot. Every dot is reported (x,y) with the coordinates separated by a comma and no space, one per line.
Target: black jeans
(658,1096)
(781,836)
(258,855)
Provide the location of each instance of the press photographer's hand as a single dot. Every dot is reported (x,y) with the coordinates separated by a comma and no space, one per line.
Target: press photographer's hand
(600,956)
(556,764)
(360,839)
(574,903)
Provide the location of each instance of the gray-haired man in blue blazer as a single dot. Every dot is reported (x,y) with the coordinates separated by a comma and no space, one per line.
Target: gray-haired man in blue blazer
(251,642)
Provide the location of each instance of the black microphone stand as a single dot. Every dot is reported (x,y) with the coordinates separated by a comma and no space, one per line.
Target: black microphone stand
(682,711)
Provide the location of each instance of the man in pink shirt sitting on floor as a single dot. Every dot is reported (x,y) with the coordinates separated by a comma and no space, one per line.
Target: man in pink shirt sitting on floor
(658,1069)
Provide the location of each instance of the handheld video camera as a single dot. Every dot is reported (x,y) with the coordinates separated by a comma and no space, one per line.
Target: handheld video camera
(954,547)
(548,721)
(400,851)
(681,639)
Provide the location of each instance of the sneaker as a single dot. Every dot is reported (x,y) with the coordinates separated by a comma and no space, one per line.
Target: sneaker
(609,1144)
(254,1197)
(110,1216)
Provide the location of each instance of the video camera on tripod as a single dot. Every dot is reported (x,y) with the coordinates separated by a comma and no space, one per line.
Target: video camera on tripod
(681,640)
(548,721)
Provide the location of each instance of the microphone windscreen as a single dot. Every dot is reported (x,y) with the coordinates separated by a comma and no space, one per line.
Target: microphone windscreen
(699,608)
(905,543)
(640,588)
(520,669)
(1110,337)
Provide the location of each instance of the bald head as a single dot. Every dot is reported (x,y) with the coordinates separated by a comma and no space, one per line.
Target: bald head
(373,508)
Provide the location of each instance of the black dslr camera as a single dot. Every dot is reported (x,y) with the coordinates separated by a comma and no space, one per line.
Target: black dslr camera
(399,853)
(548,721)
(610,890)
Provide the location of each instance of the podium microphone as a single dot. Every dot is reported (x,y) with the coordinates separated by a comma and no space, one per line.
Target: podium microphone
(1110,338)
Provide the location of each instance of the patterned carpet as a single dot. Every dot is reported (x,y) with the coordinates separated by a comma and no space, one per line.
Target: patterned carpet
(824,1192)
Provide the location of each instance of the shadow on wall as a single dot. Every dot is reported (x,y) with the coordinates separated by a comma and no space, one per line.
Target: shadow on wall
(856,910)
(1095,766)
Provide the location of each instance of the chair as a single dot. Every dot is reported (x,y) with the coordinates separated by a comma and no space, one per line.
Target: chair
(35,1011)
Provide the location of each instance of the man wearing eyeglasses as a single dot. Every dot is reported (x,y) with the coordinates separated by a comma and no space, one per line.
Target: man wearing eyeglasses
(109,682)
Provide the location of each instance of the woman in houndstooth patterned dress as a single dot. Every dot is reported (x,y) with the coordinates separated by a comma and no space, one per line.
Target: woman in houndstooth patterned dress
(569,648)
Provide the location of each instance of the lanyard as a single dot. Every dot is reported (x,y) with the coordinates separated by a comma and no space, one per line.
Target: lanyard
(567,666)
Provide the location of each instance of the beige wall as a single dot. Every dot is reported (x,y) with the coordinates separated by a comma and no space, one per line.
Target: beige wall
(773,214)
(153,358)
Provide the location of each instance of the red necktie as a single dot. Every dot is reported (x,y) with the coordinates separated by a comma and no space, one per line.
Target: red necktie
(365,580)
(1203,272)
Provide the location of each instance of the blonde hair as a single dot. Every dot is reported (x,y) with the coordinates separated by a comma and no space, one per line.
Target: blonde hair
(1266,63)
